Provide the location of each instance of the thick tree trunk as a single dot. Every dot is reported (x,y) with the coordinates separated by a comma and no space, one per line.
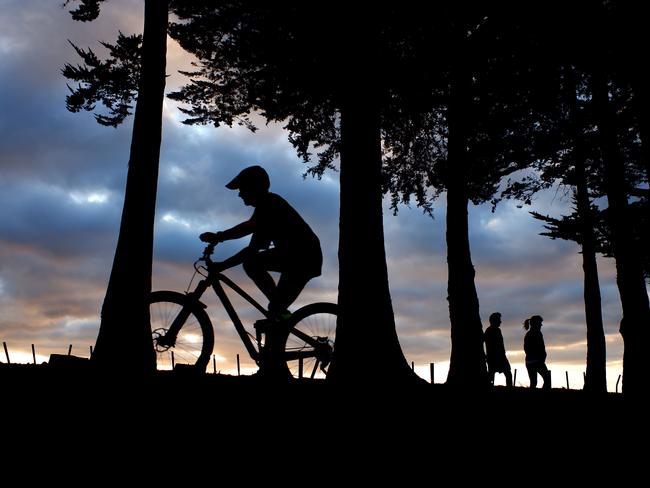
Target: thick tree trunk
(635,325)
(367,347)
(467,368)
(467,362)
(124,341)
(596,374)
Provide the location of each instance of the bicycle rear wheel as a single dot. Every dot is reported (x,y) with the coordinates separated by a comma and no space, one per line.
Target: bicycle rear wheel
(310,344)
(195,340)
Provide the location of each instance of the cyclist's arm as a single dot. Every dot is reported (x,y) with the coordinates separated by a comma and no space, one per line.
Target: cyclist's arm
(257,243)
(240,230)
(255,246)
(234,260)
(236,232)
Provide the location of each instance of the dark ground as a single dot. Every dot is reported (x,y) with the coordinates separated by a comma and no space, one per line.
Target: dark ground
(313,427)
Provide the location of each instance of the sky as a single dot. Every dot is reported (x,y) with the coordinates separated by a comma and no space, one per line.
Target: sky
(62,180)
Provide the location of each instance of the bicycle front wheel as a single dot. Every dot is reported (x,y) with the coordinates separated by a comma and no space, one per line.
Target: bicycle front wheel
(194,341)
(310,344)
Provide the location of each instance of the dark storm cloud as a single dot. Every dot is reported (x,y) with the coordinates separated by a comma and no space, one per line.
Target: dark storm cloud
(40,139)
(49,217)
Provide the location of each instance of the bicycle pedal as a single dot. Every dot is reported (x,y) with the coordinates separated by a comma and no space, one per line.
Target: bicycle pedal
(166,341)
(262,324)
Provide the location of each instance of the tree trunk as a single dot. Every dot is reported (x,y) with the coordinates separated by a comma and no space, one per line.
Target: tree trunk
(467,366)
(629,270)
(367,347)
(642,100)
(596,374)
(124,341)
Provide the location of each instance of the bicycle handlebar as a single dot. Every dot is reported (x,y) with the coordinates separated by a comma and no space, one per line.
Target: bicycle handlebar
(205,257)
(209,249)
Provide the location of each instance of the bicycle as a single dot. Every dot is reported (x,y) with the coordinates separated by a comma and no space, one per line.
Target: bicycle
(183,333)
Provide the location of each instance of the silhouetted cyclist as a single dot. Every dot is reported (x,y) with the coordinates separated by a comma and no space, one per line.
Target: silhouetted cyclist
(495,350)
(281,241)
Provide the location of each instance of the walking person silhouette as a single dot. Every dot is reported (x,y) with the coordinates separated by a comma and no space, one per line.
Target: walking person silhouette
(536,352)
(280,241)
(495,350)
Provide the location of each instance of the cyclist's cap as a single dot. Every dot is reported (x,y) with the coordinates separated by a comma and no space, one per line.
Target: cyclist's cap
(254,177)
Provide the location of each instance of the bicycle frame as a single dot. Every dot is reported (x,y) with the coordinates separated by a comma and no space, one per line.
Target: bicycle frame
(215,280)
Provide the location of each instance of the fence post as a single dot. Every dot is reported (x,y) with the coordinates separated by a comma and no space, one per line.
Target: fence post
(238,367)
(214,363)
(431,373)
(300,366)
(34,353)
(514,378)
(173,360)
(412,366)
(91,351)
(619,379)
(4,344)
(566,374)
(70,349)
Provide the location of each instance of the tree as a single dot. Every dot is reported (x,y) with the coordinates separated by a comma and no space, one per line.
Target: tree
(124,339)
(472,125)
(329,89)
(635,324)
(573,162)
(588,41)
(595,375)
(629,271)
(579,227)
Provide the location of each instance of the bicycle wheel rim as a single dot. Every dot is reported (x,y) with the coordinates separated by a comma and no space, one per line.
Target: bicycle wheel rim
(317,321)
(195,340)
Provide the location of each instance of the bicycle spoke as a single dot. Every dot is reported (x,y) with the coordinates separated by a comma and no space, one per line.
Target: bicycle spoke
(193,344)
(315,341)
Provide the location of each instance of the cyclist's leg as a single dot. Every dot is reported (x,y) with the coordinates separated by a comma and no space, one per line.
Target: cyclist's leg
(289,287)
(257,266)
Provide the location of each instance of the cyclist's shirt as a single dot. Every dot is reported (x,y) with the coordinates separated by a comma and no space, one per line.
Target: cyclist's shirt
(277,222)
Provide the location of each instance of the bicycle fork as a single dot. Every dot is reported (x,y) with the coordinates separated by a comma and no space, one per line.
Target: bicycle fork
(193,300)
